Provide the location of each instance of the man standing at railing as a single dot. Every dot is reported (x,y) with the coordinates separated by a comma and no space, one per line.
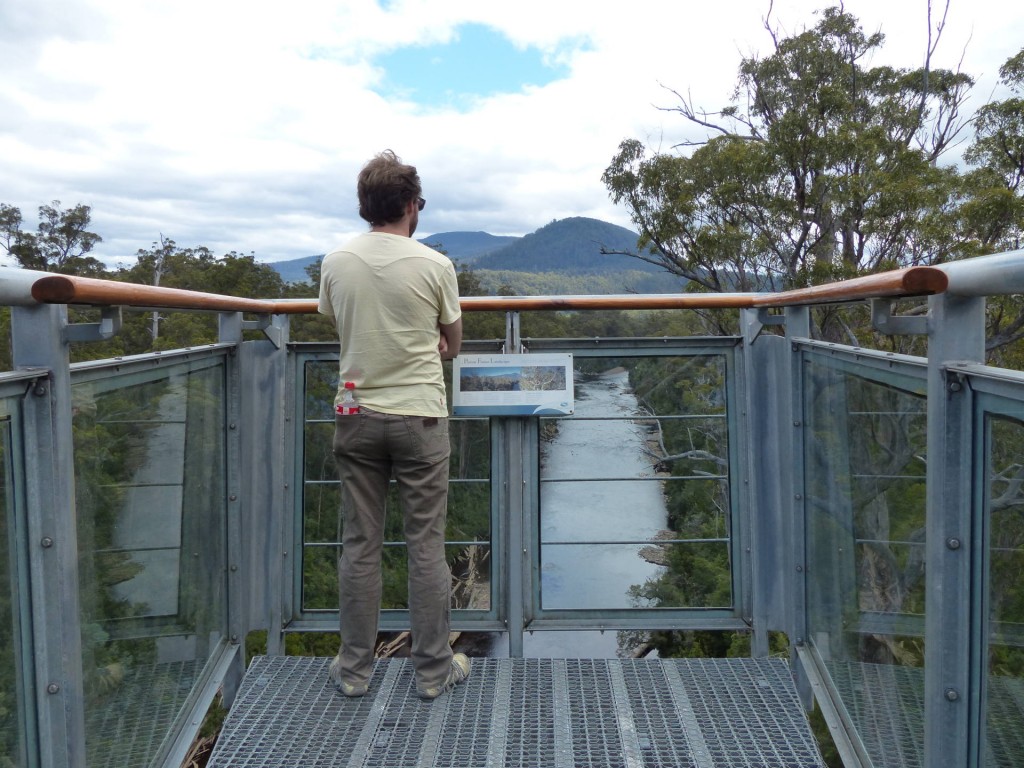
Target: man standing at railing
(395,303)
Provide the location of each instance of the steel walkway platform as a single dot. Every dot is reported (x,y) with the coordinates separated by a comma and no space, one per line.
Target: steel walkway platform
(523,713)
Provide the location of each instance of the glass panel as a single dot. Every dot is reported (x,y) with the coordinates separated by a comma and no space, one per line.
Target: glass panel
(468,528)
(865,446)
(322,513)
(317,452)
(320,578)
(13,728)
(149,484)
(634,499)
(1004,681)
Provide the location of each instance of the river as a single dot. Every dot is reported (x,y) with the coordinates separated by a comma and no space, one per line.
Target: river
(581,502)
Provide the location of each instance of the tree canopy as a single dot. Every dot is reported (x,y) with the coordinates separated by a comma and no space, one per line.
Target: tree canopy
(822,167)
(60,243)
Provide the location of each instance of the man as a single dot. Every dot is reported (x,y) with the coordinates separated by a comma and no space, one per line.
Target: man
(396,306)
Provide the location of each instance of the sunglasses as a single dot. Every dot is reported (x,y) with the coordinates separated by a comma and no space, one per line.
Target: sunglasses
(420,203)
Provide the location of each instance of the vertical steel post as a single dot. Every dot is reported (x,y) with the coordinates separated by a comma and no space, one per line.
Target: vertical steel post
(956,333)
(775,448)
(230,331)
(760,493)
(38,341)
(798,326)
(266,404)
(515,534)
(512,479)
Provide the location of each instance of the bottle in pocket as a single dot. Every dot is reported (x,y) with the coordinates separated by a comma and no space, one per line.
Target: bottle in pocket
(348,404)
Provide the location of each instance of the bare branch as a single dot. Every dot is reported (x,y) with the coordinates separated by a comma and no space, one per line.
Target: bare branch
(703,119)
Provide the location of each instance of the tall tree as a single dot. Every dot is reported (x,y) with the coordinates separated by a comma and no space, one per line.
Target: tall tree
(60,243)
(821,168)
(992,213)
(196,269)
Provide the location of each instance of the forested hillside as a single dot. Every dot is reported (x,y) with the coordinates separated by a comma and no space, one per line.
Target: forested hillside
(561,258)
(576,245)
(468,247)
(462,247)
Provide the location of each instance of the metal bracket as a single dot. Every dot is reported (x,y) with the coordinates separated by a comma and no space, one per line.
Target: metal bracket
(754,325)
(108,327)
(273,327)
(884,321)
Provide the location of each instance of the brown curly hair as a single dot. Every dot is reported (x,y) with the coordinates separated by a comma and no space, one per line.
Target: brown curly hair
(385,187)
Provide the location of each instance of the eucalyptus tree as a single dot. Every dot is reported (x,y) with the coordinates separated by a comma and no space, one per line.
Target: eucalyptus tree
(992,211)
(61,242)
(820,168)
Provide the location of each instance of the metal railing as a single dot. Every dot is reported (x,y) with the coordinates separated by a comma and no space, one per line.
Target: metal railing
(159,508)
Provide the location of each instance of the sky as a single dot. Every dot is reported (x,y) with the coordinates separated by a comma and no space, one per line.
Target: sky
(240,125)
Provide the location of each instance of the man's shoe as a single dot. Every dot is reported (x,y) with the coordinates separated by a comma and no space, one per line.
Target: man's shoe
(352,690)
(458,673)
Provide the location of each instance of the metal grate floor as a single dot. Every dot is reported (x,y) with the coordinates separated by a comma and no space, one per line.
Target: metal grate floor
(563,713)
(127,728)
(886,704)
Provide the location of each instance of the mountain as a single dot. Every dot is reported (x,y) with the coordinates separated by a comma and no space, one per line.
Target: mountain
(461,247)
(467,247)
(571,245)
(561,257)
(294,270)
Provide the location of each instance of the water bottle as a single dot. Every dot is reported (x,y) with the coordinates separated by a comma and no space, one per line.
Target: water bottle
(348,404)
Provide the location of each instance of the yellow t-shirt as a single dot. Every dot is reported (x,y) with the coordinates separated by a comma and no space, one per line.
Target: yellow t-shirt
(387,295)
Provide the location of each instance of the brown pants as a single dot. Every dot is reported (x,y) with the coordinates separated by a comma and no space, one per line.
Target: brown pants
(370,448)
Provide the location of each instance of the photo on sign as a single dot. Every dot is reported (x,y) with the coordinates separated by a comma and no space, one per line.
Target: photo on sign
(513,384)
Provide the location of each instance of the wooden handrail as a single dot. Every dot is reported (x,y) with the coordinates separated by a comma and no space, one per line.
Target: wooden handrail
(70,289)
(912,281)
(616,301)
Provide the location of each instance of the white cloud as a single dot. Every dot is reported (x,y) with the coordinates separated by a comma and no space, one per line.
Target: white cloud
(241,125)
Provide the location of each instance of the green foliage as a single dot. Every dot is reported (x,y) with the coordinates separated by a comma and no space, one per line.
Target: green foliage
(830,171)
(59,244)
(549,283)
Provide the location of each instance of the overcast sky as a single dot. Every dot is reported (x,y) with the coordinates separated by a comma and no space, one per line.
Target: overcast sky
(241,124)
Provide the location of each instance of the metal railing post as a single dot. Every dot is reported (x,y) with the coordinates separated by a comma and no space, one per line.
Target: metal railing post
(760,486)
(230,331)
(515,538)
(267,402)
(37,335)
(956,333)
(775,449)
(514,483)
